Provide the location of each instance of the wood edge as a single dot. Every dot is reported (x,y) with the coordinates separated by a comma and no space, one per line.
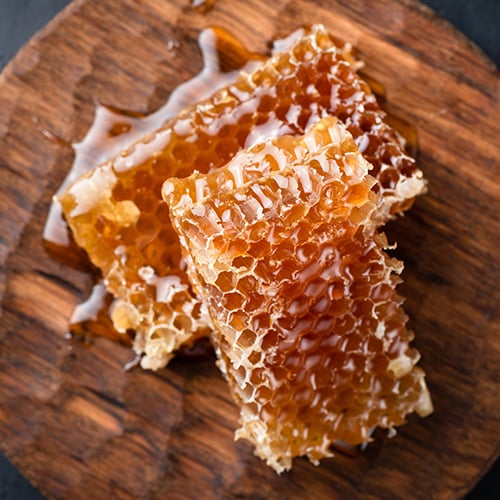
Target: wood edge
(472,483)
(6,73)
(50,26)
(446,25)
(74,6)
(6,76)
(26,473)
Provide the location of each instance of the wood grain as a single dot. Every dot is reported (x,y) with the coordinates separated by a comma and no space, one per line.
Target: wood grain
(77,425)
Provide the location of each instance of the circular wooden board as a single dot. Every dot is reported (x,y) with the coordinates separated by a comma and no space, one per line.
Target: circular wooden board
(76,424)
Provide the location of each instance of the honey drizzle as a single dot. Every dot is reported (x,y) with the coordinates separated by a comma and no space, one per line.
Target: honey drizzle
(113,129)
(91,318)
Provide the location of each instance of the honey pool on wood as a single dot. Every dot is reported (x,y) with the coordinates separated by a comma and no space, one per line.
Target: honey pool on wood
(139,434)
(112,131)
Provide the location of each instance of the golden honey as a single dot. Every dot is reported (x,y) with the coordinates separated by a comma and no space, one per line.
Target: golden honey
(282,245)
(117,215)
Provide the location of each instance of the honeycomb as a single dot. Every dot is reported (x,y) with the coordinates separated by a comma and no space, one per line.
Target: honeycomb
(282,247)
(116,213)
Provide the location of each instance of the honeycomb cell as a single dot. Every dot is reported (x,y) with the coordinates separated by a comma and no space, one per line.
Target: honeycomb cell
(287,93)
(303,377)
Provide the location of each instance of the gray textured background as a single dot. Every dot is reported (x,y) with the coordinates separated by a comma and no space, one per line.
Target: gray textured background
(20,19)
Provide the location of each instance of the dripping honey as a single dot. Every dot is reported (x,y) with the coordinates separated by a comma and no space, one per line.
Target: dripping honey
(112,130)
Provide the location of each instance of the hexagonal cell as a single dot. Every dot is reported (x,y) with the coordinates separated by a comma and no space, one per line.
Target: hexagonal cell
(286,270)
(153,254)
(246,284)
(283,250)
(362,308)
(267,104)
(168,261)
(147,225)
(264,271)
(263,393)
(226,147)
(145,202)
(304,396)
(254,301)
(168,236)
(143,179)
(163,167)
(240,375)
(246,338)
(259,248)
(316,287)
(294,360)
(327,326)
(269,339)
(184,152)
(299,306)
(321,305)
(255,357)
(262,323)
(183,323)
(233,301)
(389,178)
(309,342)
(322,376)
(120,192)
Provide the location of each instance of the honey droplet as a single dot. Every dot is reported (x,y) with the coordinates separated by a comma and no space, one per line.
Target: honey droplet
(203,6)
(91,318)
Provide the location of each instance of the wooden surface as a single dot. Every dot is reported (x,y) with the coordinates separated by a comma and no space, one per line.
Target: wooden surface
(76,424)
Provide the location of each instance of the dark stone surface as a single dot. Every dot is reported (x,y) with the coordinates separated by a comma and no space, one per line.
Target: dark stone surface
(20,19)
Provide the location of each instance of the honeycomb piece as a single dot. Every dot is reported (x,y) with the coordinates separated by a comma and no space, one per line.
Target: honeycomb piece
(117,215)
(309,328)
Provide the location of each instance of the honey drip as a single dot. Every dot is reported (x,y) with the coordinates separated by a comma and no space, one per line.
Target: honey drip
(91,318)
(112,130)
(202,6)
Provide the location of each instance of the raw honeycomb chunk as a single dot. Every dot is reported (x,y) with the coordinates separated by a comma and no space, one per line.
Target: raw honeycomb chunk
(310,331)
(117,215)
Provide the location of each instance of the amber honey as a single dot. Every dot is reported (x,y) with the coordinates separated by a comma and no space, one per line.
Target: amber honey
(112,130)
(272,246)
(125,229)
(282,244)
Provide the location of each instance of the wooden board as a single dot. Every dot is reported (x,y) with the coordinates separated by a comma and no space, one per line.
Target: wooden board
(76,424)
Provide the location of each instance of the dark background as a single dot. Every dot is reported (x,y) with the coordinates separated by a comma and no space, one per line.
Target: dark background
(20,19)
